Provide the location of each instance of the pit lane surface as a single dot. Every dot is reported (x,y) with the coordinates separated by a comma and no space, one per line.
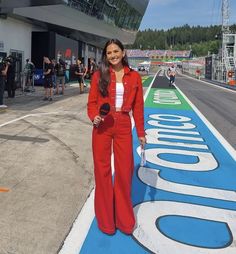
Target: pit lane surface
(184,199)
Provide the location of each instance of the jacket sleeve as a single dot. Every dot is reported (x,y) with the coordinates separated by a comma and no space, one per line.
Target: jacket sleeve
(138,108)
(92,105)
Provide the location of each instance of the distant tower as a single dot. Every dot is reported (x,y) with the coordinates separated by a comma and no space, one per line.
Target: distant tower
(225,16)
(228,53)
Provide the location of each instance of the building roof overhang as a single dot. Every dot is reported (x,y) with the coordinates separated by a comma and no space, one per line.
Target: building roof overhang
(26,3)
(74,23)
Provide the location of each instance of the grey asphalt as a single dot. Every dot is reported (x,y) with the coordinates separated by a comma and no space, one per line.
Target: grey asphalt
(46,163)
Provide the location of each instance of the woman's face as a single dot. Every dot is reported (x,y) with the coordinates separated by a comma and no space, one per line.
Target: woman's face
(114,54)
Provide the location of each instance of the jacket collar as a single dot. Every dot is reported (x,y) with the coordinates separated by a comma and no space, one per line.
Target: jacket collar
(126,69)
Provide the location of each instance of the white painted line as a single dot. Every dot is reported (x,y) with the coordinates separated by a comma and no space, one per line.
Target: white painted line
(221,139)
(75,239)
(23,117)
(14,120)
(149,88)
(145,97)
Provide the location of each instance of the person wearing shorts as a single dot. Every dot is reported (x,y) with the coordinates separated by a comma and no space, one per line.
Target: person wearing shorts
(48,82)
(60,76)
(79,72)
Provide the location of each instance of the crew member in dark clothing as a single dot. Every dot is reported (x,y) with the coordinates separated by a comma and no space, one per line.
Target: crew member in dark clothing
(48,83)
(60,69)
(10,84)
(80,72)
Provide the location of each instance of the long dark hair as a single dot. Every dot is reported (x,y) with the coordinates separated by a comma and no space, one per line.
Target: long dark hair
(104,80)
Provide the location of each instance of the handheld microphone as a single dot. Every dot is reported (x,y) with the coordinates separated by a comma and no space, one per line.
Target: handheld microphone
(104,110)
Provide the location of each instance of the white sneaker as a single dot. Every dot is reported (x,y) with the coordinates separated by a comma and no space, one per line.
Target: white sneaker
(3,106)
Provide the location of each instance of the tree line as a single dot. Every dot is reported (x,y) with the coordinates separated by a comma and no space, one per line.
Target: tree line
(201,40)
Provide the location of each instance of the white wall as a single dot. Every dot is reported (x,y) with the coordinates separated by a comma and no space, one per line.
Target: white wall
(16,35)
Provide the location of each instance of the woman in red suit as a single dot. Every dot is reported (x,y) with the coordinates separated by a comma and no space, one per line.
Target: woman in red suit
(115,83)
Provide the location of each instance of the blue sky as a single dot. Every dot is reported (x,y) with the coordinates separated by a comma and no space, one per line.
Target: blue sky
(164,14)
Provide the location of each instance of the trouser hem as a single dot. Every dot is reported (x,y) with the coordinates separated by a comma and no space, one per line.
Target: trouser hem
(126,230)
(106,230)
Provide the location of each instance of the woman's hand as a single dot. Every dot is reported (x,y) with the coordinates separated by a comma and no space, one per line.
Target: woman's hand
(97,119)
(142,141)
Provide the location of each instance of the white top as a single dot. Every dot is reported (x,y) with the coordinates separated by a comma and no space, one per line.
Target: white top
(119,94)
(172,71)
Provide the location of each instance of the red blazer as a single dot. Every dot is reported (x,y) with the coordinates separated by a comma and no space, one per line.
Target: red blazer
(132,99)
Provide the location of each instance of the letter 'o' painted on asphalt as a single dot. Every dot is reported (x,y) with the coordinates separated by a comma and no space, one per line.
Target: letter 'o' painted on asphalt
(171,118)
(149,236)
(206,161)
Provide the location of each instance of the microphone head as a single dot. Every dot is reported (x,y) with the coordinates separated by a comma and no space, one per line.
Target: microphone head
(104,109)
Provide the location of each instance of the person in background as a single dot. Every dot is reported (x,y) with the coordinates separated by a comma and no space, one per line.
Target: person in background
(85,73)
(3,74)
(60,70)
(115,83)
(48,83)
(79,72)
(67,73)
(198,73)
(54,76)
(11,73)
(92,67)
(172,73)
(28,72)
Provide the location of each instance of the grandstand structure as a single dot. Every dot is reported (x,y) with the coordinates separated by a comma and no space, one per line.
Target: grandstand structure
(160,54)
(157,57)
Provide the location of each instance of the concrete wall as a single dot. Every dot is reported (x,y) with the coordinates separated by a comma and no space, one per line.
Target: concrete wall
(16,36)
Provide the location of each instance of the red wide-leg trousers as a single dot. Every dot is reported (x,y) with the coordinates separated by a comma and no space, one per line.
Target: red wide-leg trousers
(113,205)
